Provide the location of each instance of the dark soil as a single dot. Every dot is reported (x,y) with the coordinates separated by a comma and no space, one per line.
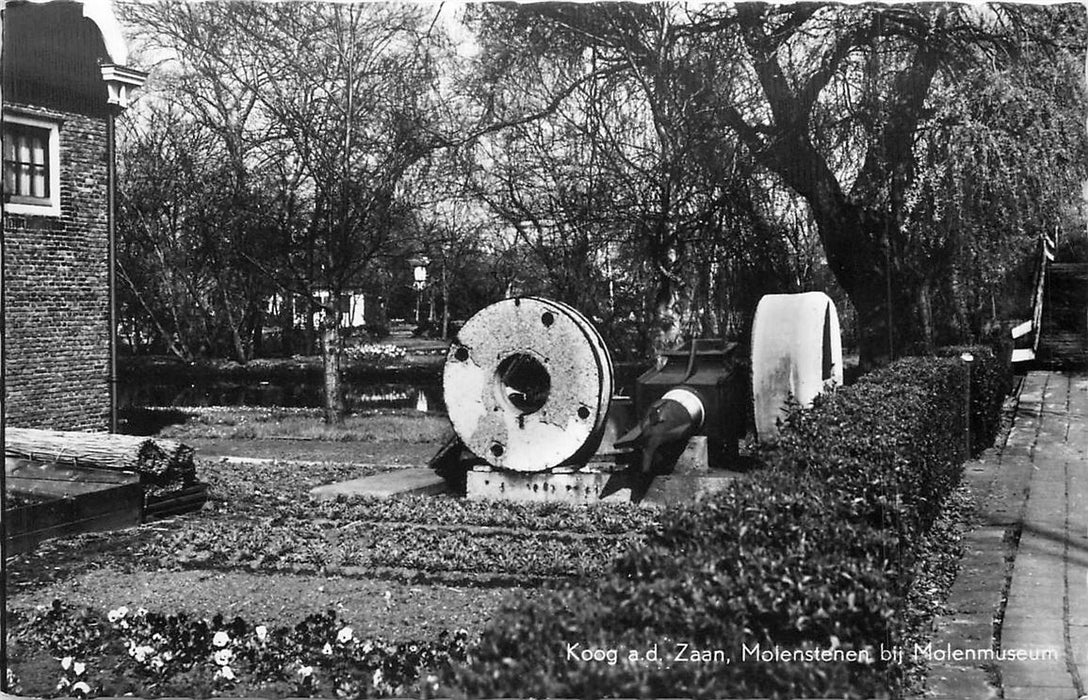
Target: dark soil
(374,608)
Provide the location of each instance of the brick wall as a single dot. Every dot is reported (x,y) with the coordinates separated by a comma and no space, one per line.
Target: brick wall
(56,304)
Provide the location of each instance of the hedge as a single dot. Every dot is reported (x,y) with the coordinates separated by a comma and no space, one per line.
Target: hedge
(991,381)
(811,554)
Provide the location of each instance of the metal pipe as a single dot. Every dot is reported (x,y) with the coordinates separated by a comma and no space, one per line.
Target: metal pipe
(3,417)
(111,217)
(967,359)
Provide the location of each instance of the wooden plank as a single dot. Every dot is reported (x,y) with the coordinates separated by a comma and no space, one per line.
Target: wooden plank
(185,501)
(109,508)
(398,482)
(1023,329)
(1023,355)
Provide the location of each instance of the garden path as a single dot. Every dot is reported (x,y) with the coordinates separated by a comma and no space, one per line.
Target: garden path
(1033,528)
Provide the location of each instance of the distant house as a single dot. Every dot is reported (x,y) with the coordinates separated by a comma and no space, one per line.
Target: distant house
(64,81)
(354,311)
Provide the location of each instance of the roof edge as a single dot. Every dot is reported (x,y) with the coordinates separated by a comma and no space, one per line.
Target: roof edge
(101,13)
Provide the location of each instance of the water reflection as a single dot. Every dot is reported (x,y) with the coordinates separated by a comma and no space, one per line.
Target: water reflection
(287,394)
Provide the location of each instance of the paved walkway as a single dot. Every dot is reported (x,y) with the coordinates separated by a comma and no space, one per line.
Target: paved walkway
(1033,519)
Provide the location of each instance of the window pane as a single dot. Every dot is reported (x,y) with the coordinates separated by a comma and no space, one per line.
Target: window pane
(26,161)
(40,188)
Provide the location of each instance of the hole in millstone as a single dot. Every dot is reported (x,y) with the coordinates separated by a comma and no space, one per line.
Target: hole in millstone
(547,318)
(583,412)
(497,450)
(524,382)
(461,354)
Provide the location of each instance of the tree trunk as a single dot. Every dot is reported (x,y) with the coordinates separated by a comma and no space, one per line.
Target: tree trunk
(445,301)
(925,311)
(665,331)
(330,357)
(309,339)
(255,330)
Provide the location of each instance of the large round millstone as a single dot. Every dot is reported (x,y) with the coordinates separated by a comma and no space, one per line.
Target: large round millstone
(796,353)
(527,384)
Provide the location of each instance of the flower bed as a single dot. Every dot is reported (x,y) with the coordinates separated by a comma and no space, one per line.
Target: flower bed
(304,545)
(126,651)
(377,353)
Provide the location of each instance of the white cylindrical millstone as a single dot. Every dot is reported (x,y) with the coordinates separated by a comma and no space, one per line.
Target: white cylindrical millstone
(527,384)
(691,403)
(796,352)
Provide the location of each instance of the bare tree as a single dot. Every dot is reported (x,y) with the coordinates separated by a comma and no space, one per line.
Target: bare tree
(333,104)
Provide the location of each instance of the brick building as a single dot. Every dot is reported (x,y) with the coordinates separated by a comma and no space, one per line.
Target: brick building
(64,81)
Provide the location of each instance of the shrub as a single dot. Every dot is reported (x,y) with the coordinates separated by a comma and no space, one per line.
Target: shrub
(991,382)
(893,441)
(814,552)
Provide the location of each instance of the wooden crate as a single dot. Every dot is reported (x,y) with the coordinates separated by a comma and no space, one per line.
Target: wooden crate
(75,500)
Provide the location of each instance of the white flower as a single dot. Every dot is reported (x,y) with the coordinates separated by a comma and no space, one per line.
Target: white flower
(262,633)
(113,615)
(225,673)
(223,657)
(66,663)
(122,611)
(81,688)
(157,663)
(140,653)
(327,649)
(78,668)
(376,678)
(306,671)
(367,647)
(221,639)
(140,612)
(344,636)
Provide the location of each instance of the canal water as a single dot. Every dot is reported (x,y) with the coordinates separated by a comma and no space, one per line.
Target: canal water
(285,393)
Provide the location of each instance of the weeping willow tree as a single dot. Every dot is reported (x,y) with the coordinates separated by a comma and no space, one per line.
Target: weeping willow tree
(848,108)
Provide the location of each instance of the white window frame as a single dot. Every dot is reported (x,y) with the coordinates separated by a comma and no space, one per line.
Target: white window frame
(52,206)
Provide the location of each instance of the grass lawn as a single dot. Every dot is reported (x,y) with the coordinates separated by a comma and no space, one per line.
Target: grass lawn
(391,427)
